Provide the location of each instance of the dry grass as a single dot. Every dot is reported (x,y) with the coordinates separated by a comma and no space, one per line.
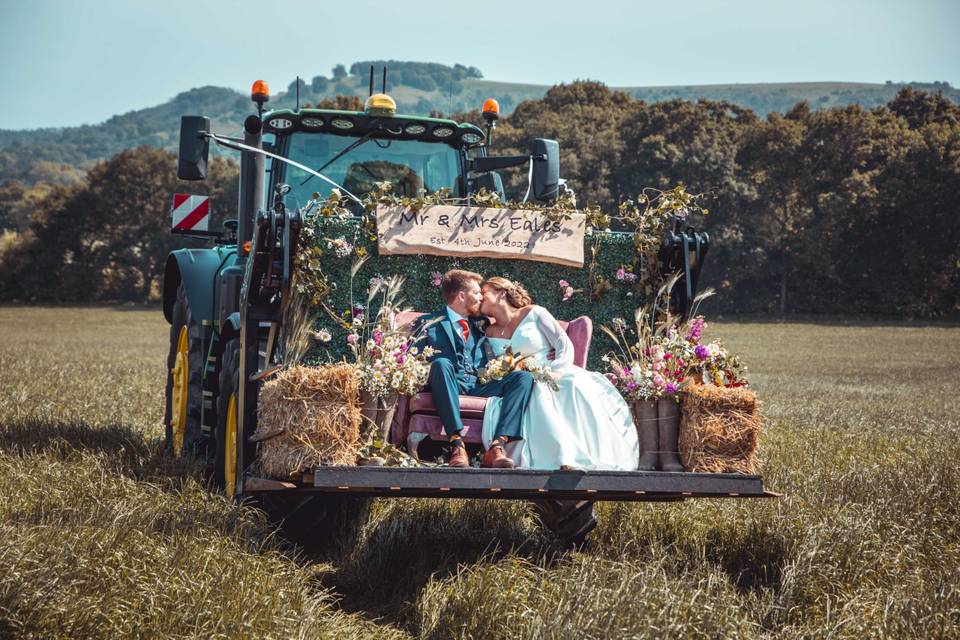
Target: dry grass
(100,536)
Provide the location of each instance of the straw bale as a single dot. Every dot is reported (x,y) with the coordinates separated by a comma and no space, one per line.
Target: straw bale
(308,416)
(720,429)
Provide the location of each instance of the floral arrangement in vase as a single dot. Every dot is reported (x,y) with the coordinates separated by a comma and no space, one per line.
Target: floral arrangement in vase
(387,358)
(662,354)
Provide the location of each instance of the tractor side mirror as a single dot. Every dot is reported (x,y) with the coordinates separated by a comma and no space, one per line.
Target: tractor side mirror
(546,169)
(194,148)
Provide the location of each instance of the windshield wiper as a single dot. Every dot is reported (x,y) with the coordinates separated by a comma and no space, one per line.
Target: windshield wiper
(353,145)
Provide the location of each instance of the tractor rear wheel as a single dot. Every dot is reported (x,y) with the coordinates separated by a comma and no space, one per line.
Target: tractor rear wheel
(184,389)
(570,520)
(227,465)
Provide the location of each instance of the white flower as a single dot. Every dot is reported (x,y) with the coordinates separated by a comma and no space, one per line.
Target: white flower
(323,335)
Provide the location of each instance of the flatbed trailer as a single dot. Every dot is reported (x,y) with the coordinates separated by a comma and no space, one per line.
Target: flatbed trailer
(563,500)
(518,484)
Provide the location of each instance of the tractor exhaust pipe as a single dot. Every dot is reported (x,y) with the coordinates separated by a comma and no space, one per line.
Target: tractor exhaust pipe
(251,181)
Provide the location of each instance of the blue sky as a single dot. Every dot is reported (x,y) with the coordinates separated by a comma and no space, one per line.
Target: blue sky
(67,63)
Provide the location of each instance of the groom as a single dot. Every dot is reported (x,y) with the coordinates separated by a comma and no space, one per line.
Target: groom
(461,345)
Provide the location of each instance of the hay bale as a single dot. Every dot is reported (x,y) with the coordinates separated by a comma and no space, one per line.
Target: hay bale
(720,429)
(308,416)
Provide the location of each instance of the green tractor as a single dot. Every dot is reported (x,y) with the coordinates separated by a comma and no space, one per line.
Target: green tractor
(224,302)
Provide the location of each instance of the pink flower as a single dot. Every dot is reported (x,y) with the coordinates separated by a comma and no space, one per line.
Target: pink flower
(436,278)
(563,284)
(378,336)
(621,273)
(352,338)
(696,328)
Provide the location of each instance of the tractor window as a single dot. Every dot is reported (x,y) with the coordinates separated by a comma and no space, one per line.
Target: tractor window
(411,165)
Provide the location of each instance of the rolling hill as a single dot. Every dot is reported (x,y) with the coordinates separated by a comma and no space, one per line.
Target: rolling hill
(419,88)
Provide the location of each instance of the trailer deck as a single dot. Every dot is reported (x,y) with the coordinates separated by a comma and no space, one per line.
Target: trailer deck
(519,484)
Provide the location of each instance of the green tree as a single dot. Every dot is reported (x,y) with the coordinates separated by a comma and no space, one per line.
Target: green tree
(109,237)
(319,84)
(770,228)
(920,108)
(585,116)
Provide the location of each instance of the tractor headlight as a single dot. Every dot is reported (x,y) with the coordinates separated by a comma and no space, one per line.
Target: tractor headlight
(471,137)
(281,124)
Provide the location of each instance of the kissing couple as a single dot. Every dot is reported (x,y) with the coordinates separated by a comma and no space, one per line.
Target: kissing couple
(580,422)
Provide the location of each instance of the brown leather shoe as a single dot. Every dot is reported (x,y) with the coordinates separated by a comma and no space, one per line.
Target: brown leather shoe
(496,458)
(458,457)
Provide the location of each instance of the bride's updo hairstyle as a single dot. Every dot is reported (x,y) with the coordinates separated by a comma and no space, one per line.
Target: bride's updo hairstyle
(517,295)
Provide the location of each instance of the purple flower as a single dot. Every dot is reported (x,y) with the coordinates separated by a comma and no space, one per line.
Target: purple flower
(378,336)
(357,311)
(696,328)
(671,389)
(621,273)
(702,352)
(631,385)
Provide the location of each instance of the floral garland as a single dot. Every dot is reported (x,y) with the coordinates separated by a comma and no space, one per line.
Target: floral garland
(649,217)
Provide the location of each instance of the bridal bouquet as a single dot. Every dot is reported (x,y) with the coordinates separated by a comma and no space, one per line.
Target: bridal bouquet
(503,364)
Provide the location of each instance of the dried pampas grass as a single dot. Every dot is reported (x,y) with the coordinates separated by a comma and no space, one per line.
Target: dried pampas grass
(308,416)
(720,429)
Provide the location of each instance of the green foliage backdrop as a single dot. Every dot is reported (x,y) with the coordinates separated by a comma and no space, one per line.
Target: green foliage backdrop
(541,280)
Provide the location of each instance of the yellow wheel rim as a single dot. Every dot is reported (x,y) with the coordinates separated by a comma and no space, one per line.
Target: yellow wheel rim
(230,448)
(181,378)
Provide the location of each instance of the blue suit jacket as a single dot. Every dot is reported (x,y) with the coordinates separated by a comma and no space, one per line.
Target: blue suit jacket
(467,360)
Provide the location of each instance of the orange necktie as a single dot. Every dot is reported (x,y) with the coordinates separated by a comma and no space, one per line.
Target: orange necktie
(465,328)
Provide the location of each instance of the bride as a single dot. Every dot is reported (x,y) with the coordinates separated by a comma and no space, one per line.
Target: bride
(585,423)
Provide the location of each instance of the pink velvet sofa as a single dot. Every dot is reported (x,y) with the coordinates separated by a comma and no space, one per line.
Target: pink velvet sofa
(416,418)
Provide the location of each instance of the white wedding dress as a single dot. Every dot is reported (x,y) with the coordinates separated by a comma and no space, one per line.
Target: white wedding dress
(586,423)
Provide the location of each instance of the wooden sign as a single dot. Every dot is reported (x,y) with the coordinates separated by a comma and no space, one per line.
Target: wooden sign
(481,232)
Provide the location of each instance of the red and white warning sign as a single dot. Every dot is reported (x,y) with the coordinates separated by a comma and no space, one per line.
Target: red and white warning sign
(190,213)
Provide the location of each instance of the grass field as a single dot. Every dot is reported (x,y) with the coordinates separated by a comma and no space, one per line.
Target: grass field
(102,536)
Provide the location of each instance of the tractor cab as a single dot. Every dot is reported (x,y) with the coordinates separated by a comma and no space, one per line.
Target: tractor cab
(356,150)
